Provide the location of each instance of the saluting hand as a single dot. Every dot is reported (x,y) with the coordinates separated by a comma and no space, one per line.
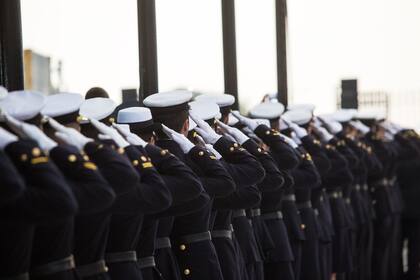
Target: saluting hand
(179,138)
(32,132)
(238,135)
(322,133)
(252,124)
(132,138)
(6,138)
(205,130)
(69,135)
(110,132)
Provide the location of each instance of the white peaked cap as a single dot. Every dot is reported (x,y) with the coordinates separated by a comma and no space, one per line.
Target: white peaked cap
(134,115)
(23,105)
(344,115)
(222,100)
(307,107)
(298,116)
(267,110)
(167,99)
(97,108)
(62,104)
(205,110)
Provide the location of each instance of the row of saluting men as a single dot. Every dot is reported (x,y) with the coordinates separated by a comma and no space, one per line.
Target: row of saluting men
(183,189)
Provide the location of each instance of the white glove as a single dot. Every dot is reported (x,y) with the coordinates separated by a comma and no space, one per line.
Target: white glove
(388,136)
(205,130)
(234,132)
(132,138)
(212,150)
(300,131)
(110,132)
(289,141)
(323,134)
(6,138)
(252,124)
(32,132)
(69,135)
(179,138)
(296,138)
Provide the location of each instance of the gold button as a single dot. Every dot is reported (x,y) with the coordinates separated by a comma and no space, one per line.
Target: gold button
(267,132)
(24,157)
(259,150)
(236,145)
(85,157)
(135,162)
(120,151)
(182,247)
(36,152)
(72,158)
(302,226)
(111,120)
(143,158)
(163,152)
(187,271)
(100,146)
(106,269)
(201,153)
(231,149)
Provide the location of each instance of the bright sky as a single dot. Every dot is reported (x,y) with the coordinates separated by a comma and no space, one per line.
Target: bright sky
(375,41)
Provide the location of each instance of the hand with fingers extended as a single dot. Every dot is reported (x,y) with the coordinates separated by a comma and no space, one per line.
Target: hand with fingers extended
(69,135)
(250,123)
(323,133)
(6,138)
(110,132)
(209,147)
(289,141)
(205,130)
(238,135)
(299,131)
(179,138)
(132,138)
(32,132)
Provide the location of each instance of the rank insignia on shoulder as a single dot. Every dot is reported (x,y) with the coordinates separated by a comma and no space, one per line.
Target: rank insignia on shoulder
(90,165)
(39,160)
(147,164)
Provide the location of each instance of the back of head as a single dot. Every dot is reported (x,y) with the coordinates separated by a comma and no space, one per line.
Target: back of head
(96,92)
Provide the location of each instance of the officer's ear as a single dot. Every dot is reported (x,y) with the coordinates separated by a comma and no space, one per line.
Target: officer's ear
(185,127)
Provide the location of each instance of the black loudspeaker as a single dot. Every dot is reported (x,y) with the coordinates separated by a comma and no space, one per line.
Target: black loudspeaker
(349,94)
(129,95)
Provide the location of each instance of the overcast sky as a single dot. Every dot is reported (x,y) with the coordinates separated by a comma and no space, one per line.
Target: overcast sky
(376,41)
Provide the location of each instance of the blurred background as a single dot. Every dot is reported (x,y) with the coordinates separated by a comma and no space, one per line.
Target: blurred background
(73,45)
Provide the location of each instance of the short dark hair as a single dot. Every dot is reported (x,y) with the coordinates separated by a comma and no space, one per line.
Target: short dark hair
(173,120)
(96,92)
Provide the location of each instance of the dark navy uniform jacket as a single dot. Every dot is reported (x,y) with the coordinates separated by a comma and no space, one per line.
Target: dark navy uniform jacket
(54,241)
(12,183)
(47,198)
(199,260)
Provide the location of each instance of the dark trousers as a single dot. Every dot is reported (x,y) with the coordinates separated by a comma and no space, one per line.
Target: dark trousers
(411,234)
(279,270)
(381,248)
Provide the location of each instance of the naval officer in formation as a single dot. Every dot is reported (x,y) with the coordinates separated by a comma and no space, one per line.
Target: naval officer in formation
(186,188)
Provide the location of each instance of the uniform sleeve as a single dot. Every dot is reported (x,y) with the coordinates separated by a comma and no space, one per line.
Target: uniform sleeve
(282,152)
(317,153)
(181,181)
(273,179)
(244,168)
(92,191)
(150,194)
(116,168)
(306,175)
(243,198)
(47,195)
(215,179)
(340,174)
(12,184)
(185,208)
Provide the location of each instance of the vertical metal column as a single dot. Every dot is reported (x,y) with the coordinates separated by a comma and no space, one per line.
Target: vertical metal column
(229,49)
(281,26)
(146,17)
(11,57)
